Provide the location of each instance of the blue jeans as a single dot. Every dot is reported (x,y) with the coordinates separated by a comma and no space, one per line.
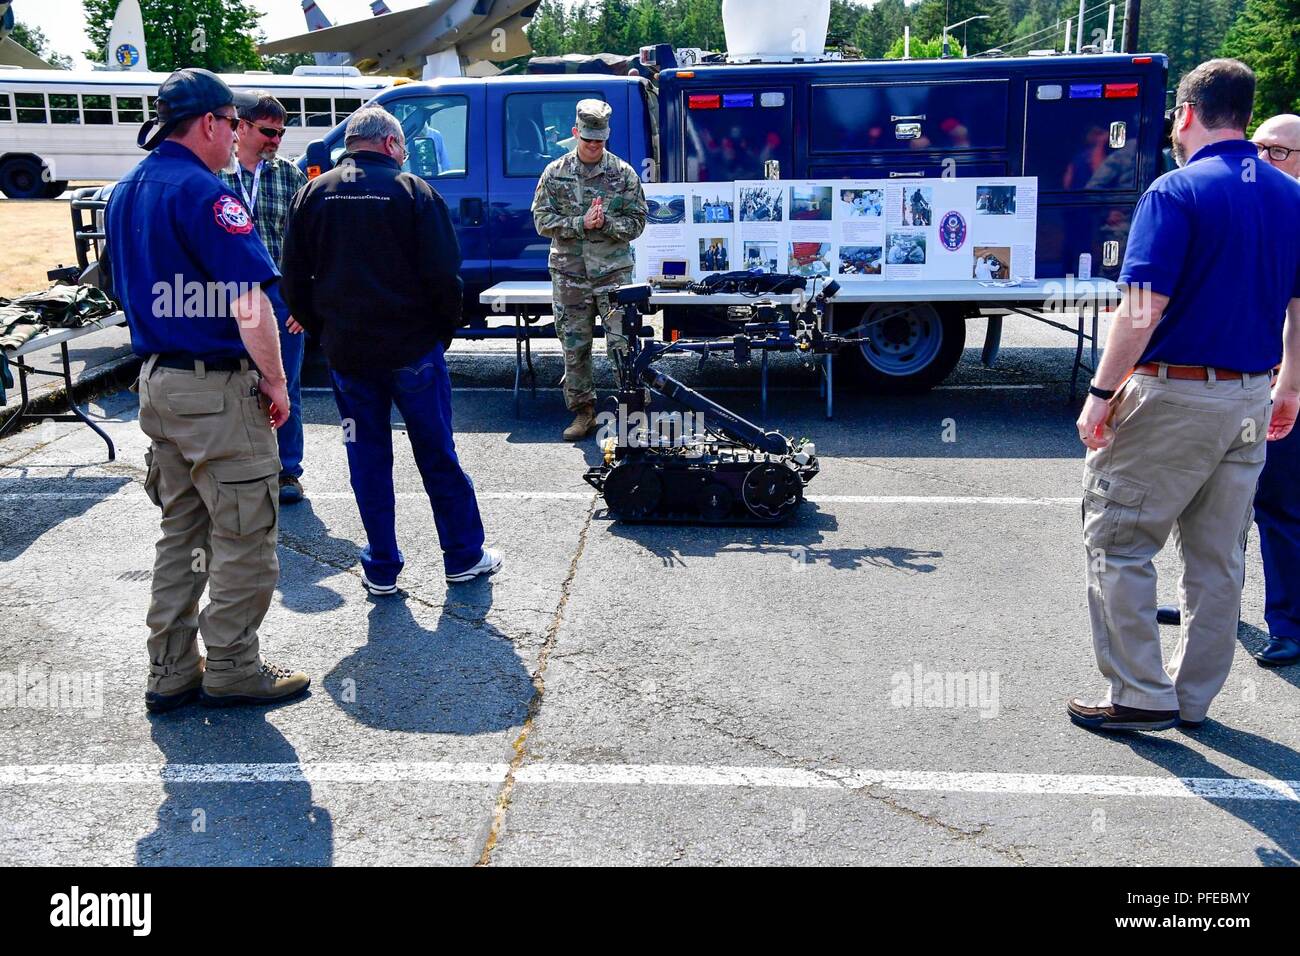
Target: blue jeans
(289,435)
(1277,512)
(422,393)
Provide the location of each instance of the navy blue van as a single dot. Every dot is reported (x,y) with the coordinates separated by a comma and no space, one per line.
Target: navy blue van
(1090,128)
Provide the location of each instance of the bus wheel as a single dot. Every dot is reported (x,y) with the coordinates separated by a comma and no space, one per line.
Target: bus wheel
(910,347)
(20,178)
(56,189)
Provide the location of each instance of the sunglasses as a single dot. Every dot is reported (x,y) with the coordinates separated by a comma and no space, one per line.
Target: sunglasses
(232,120)
(270,132)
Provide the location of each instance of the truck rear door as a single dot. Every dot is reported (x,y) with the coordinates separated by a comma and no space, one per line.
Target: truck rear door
(730,130)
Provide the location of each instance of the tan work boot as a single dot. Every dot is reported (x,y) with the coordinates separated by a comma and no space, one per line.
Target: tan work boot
(168,689)
(583,424)
(267,685)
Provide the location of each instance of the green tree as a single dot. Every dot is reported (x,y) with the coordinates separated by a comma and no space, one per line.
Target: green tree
(219,35)
(921,49)
(880,27)
(930,16)
(1266,36)
(34,39)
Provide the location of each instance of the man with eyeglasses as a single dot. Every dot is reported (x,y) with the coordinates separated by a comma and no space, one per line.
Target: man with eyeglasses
(192,277)
(266,184)
(591,206)
(1179,410)
(1278,140)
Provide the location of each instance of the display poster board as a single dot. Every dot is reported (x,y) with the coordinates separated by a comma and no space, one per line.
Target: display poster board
(981,229)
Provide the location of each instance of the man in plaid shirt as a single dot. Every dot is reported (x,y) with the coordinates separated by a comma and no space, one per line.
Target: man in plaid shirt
(266,184)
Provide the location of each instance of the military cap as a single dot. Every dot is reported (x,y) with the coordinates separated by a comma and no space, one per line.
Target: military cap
(593,119)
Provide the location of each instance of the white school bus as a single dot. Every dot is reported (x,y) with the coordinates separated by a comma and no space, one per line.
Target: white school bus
(60,125)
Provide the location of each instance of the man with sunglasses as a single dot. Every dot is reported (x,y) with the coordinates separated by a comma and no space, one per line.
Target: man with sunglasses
(1179,409)
(591,206)
(266,184)
(192,277)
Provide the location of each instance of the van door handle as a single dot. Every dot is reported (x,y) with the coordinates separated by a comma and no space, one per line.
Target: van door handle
(919,174)
(471,211)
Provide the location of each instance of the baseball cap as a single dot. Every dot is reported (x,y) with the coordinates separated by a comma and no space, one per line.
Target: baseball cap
(593,119)
(189,92)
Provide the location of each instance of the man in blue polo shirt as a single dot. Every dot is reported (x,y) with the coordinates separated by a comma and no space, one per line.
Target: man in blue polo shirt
(1179,410)
(190,272)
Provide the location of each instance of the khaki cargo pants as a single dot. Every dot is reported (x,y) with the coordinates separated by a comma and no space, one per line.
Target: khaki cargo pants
(576,303)
(1185,459)
(213,469)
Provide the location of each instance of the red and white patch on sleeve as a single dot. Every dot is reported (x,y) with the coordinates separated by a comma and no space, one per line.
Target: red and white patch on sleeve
(232,216)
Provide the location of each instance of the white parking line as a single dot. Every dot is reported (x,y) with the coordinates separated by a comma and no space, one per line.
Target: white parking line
(130,495)
(658,775)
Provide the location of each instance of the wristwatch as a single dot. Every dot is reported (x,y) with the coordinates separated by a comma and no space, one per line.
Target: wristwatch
(1102,393)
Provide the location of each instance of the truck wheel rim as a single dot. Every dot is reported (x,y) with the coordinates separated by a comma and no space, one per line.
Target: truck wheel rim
(903,339)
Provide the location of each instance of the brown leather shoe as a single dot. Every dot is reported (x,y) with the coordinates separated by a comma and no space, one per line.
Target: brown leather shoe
(1118,717)
(584,423)
(168,690)
(267,685)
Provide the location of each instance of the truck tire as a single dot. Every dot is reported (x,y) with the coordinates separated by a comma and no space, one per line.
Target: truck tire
(20,178)
(912,348)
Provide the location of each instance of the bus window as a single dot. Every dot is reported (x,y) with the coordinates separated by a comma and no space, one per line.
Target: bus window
(319,113)
(343,108)
(292,106)
(6,114)
(64,109)
(31,107)
(98,109)
(130,109)
(539,128)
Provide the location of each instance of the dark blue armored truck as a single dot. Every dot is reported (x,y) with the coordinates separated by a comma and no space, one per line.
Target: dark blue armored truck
(1089,128)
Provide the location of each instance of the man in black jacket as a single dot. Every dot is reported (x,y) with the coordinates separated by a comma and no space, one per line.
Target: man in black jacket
(371,266)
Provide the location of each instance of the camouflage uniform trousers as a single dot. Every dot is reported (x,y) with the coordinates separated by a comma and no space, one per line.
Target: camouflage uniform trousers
(577,302)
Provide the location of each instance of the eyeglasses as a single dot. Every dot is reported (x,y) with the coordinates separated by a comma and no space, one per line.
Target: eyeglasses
(1278,154)
(270,132)
(232,120)
(591,142)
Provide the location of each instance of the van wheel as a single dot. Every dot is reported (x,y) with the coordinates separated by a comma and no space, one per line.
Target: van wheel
(21,179)
(56,189)
(911,347)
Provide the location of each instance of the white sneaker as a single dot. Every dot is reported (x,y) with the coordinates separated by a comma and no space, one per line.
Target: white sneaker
(379,590)
(490,563)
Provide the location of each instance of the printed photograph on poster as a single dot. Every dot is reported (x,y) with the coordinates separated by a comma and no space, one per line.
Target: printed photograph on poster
(761,204)
(918,206)
(905,248)
(761,255)
(809,258)
(992,262)
(810,203)
(667,210)
(995,200)
(861,203)
(715,254)
(861,260)
(716,206)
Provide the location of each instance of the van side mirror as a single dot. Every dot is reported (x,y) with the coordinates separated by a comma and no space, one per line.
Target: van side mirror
(317,158)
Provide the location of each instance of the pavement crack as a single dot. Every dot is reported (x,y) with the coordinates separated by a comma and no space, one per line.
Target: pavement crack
(520,743)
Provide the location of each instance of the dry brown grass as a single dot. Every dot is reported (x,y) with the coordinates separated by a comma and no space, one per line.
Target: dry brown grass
(35,236)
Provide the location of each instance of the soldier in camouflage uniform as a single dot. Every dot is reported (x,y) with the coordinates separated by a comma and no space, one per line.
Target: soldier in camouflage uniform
(590,204)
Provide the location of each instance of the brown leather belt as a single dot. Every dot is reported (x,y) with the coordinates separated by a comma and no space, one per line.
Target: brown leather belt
(1199,373)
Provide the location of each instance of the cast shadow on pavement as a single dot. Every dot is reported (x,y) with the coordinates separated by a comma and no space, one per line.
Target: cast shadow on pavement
(233,824)
(462,677)
(304,535)
(24,521)
(797,542)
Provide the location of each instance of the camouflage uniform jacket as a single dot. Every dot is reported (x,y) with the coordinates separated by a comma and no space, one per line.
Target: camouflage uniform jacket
(564,193)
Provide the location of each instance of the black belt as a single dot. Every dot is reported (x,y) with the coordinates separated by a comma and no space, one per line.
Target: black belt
(188,363)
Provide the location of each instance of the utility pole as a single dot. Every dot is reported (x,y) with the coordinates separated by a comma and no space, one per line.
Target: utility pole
(1132,14)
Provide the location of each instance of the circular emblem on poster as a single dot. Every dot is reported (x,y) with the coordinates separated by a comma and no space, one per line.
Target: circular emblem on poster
(127,55)
(952,230)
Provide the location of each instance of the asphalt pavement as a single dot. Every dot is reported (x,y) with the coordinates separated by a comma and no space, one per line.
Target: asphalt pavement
(881,681)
